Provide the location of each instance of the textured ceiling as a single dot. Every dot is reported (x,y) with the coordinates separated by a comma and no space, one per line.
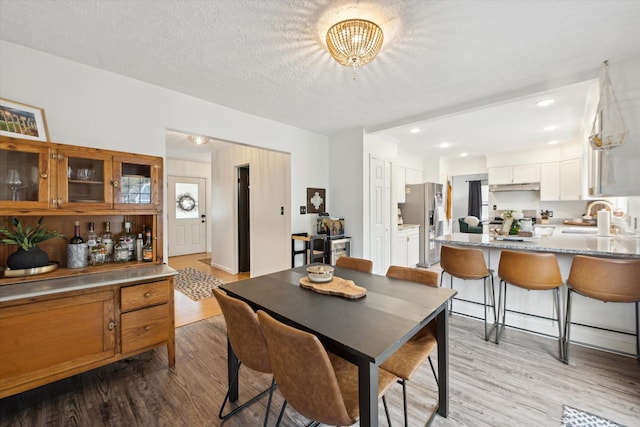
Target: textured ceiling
(269,58)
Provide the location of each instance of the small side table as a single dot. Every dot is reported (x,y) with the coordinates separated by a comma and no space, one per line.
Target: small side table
(315,248)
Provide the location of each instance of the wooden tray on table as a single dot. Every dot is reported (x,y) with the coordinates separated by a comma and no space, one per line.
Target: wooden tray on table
(337,286)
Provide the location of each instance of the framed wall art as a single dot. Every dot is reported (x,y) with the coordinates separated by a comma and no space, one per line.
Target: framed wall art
(316,200)
(22,121)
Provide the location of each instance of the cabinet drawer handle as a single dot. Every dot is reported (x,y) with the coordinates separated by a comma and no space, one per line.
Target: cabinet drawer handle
(146,328)
(115,183)
(112,325)
(147,295)
(44,176)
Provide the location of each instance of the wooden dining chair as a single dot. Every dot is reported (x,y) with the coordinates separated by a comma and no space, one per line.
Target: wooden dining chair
(408,358)
(249,345)
(359,264)
(319,385)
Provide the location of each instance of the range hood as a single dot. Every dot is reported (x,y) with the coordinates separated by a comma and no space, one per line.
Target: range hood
(529,186)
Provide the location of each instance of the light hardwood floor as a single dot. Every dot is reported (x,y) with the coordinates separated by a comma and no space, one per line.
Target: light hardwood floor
(187,310)
(517,383)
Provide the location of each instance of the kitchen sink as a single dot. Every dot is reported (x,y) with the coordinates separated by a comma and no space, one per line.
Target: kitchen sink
(582,230)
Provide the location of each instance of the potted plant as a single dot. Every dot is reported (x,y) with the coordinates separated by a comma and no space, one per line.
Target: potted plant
(28,254)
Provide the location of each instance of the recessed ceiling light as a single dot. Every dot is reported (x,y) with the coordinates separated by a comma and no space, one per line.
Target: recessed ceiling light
(555,141)
(464,154)
(444,144)
(545,102)
(415,130)
(549,128)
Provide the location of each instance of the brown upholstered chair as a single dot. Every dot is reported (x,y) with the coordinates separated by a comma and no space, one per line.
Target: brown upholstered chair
(408,358)
(608,280)
(469,264)
(248,343)
(319,385)
(364,265)
(534,271)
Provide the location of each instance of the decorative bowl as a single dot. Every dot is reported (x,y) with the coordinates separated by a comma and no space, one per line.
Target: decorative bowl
(320,273)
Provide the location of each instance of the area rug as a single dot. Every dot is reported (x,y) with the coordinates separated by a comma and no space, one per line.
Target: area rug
(572,417)
(195,284)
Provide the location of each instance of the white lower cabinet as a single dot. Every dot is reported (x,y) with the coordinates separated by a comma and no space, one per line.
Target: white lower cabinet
(407,247)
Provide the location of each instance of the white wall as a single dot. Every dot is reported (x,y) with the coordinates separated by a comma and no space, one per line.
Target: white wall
(91,107)
(269,183)
(347,196)
(192,170)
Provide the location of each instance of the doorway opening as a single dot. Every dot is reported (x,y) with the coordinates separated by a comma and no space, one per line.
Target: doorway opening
(244,241)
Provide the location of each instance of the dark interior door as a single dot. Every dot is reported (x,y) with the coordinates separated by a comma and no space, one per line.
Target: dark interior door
(244,260)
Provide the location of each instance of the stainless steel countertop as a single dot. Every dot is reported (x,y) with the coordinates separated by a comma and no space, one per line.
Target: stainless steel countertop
(561,240)
(87,281)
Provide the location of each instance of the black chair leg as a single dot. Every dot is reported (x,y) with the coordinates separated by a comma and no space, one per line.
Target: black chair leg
(560,337)
(434,371)
(386,410)
(247,403)
(284,406)
(567,328)
(404,402)
(266,416)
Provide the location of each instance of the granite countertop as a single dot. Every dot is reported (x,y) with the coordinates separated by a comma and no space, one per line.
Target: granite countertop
(557,239)
(17,291)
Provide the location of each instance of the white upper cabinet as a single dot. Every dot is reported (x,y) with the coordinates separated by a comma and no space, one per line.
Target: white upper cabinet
(414,176)
(561,180)
(521,174)
(550,181)
(502,175)
(526,173)
(571,180)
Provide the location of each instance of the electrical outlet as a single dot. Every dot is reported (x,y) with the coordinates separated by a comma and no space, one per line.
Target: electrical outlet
(550,214)
(303,210)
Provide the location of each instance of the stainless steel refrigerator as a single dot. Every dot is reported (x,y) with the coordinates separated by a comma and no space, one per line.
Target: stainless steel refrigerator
(424,205)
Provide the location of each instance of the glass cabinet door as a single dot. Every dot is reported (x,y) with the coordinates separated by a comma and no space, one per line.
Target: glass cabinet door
(84,180)
(136,183)
(24,176)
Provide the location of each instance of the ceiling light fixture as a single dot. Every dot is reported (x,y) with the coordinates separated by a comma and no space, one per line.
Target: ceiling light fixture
(464,154)
(554,142)
(415,130)
(549,128)
(354,42)
(545,102)
(444,144)
(197,139)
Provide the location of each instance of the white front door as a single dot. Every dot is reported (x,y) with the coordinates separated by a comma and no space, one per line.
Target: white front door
(187,223)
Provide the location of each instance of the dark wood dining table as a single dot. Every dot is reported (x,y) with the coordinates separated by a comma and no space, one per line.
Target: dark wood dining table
(365,331)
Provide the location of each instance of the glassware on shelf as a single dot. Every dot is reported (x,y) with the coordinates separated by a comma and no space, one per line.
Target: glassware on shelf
(14,181)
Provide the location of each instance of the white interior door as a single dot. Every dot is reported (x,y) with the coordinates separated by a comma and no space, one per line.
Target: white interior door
(187,222)
(380,210)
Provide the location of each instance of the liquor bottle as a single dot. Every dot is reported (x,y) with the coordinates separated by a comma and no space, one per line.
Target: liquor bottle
(121,251)
(92,237)
(130,241)
(77,238)
(147,249)
(98,253)
(139,244)
(107,241)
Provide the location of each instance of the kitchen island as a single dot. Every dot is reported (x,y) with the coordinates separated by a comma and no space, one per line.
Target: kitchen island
(614,322)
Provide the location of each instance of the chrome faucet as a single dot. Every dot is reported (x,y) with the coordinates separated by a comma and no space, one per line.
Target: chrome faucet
(598,202)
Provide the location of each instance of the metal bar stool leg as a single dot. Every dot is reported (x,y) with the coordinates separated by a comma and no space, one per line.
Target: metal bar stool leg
(560,338)
(502,309)
(567,328)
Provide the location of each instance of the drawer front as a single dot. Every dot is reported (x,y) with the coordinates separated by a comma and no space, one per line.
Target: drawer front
(145,295)
(145,328)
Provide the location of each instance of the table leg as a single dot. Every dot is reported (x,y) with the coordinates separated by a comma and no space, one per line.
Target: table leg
(232,367)
(443,361)
(368,393)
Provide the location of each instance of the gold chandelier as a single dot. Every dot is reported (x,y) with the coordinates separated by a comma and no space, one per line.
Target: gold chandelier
(354,42)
